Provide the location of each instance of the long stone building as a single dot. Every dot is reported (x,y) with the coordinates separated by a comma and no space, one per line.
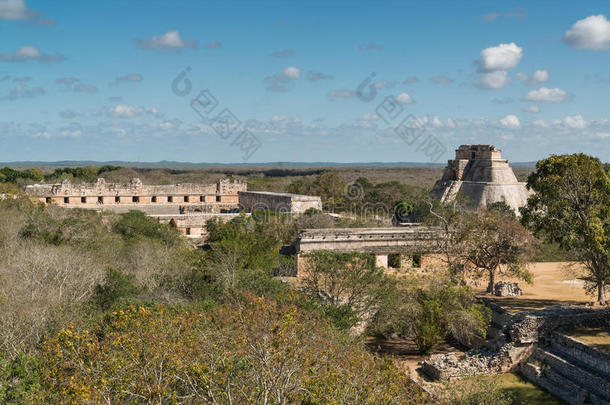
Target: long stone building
(480,176)
(394,248)
(107,195)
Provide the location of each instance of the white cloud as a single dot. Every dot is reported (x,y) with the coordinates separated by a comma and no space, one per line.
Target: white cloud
(370,47)
(510,121)
(592,32)
(501,57)
(70,133)
(545,94)
(493,80)
(125,111)
(540,124)
(315,76)
(155,111)
(167,125)
(281,82)
(539,76)
(16,10)
(602,135)
(575,122)
(75,84)
(531,109)
(213,45)
(384,83)
(292,72)
(442,79)
(370,117)
(27,52)
(404,98)
(169,40)
(518,13)
(284,53)
(342,94)
(23,91)
(130,77)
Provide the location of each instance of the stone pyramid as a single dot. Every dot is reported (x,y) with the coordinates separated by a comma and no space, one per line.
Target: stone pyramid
(480,176)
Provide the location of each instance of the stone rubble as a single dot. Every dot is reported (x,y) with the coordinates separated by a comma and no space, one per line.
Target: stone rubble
(507,289)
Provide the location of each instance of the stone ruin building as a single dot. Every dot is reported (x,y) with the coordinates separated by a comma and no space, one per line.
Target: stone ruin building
(537,343)
(102,195)
(186,207)
(395,249)
(480,176)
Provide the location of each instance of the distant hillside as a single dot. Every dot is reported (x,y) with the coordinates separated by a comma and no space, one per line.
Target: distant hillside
(190,165)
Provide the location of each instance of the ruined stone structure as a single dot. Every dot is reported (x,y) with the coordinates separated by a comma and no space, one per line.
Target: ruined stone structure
(393,248)
(193,225)
(107,195)
(534,343)
(480,176)
(186,207)
(250,201)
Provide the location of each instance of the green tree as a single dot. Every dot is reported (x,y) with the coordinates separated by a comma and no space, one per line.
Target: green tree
(133,225)
(502,208)
(571,206)
(251,351)
(350,281)
(495,243)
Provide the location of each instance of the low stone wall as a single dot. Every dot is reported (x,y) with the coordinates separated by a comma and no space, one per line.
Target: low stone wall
(587,382)
(531,326)
(590,356)
(250,201)
(500,317)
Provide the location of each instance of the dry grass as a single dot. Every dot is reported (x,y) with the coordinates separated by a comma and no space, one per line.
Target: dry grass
(555,283)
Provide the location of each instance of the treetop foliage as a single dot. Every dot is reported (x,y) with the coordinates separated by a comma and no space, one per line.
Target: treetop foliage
(571,206)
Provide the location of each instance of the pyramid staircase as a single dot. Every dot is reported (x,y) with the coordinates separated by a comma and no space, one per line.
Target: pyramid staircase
(576,373)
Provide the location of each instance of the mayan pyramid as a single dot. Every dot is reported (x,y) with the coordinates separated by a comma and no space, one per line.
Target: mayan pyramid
(480,176)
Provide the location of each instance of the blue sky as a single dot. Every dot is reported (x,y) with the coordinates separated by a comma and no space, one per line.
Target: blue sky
(90,80)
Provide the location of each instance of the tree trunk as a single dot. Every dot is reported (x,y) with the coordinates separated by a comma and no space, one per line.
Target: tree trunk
(601,295)
(492,279)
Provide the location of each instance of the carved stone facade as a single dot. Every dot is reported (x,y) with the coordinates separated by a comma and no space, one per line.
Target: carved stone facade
(480,176)
(102,194)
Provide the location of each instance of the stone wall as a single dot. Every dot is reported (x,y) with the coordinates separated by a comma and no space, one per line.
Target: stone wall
(250,201)
(577,373)
(592,357)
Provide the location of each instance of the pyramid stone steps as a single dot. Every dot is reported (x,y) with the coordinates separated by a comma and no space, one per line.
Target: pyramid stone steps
(562,368)
(480,175)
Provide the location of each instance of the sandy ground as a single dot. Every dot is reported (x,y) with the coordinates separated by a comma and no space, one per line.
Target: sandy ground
(554,283)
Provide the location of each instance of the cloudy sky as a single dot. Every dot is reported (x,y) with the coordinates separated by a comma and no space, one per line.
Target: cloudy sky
(262,81)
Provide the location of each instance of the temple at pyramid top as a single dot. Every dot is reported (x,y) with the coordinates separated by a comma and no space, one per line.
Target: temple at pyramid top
(480,176)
